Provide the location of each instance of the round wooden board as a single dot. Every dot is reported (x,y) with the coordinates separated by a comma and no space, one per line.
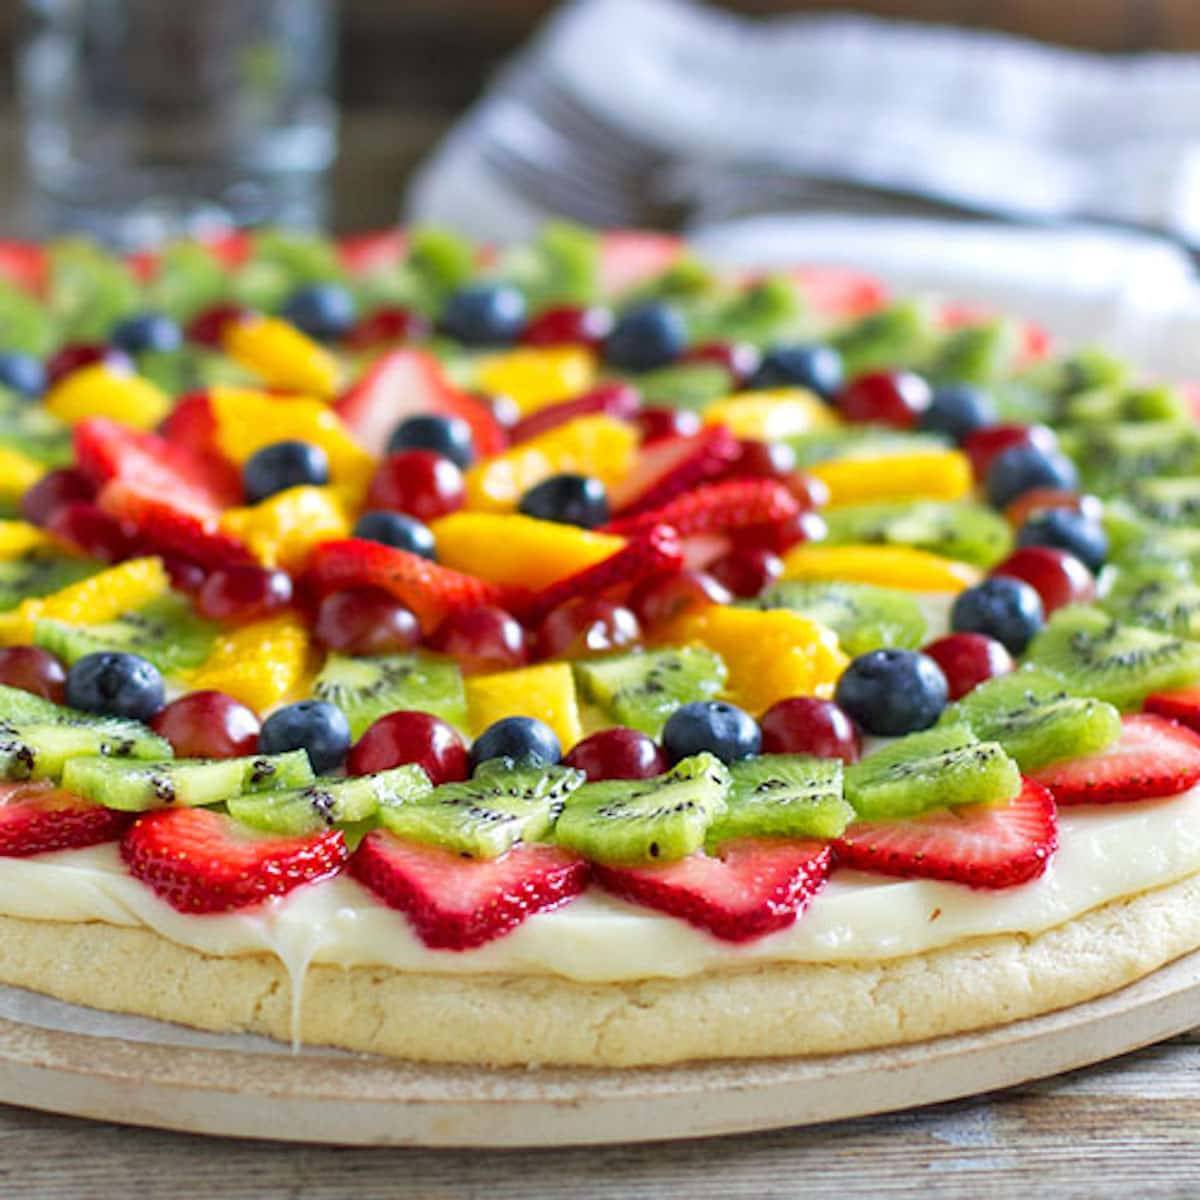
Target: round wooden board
(352,1100)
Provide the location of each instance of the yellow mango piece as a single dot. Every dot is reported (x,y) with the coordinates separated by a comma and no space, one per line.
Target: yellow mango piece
(599,446)
(914,475)
(91,601)
(264,664)
(99,391)
(537,378)
(18,473)
(19,537)
(770,655)
(282,530)
(888,566)
(770,415)
(546,692)
(282,355)
(518,551)
(248,420)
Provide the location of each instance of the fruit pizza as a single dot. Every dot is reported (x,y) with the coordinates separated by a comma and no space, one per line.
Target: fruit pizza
(573,654)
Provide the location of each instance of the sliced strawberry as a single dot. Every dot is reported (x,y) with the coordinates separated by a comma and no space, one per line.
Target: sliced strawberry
(231,247)
(38,817)
(457,903)
(166,526)
(716,508)
(406,383)
(673,465)
(200,861)
(191,422)
(620,400)
(749,888)
(629,257)
(429,590)
(106,450)
(25,264)
(1153,757)
(1182,706)
(841,292)
(658,549)
(379,250)
(983,846)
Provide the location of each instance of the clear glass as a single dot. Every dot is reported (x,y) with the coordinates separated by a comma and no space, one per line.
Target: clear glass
(154,118)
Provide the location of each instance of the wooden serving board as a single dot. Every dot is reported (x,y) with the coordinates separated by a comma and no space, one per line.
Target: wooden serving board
(357,1100)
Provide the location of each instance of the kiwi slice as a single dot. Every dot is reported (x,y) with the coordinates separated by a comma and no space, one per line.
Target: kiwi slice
(138,786)
(1102,406)
(689,385)
(297,811)
(942,767)
(39,748)
(484,816)
(18,705)
(1032,716)
(39,573)
(864,442)
(953,528)
(643,689)
(33,431)
(1167,501)
(783,795)
(1170,606)
(365,689)
(1110,457)
(975,353)
(864,617)
(89,290)
(628,821)
(1123,664)
(902,335)
(166,631)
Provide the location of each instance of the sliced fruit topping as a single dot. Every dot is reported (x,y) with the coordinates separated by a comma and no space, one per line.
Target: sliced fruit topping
(261,665)
(200,861)
(1182,706)
(750,887)
(545,693)
(1167,605)
(36,818)
(783,795)
(283,530)
(953,529)
(100,390)
(904,475)
(888,566)
(1153,757)
(981,845)
(660,819)
(38,747)
(281,355)
(535,377)
(672,466)
(619,400)
(456,903)
(716,508)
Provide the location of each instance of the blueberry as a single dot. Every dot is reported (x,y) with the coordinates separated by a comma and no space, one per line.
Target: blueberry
(1004,608)
(651,335)
(1063,529)
(957,410)
(396,529)
(23,374)
(893,692)
(722,729)
(325,311)
(115,685)
(523,739)
(816,367)
(568,499)
(448,436)
(1015,470)
(147,331)
(283,465)
(485,314)
(312,725)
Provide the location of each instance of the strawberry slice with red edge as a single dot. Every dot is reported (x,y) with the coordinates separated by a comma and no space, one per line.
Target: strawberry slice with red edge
(457,903)
(981,845)
(658,549)
(106,450)
(1182,706)
(1153,757)
(25,264)
(619,400)
(167,526)
(39,817)
(716,508)
(750,887)
(841,292)
(407,383)
(629,257)
(376,250)
(200,861)
(431,591)
(666,468)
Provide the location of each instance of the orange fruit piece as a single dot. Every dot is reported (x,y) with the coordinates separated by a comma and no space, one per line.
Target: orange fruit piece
(536,378)
(888,566)
(911,475)
(99,391)
(546,692)
(282,356)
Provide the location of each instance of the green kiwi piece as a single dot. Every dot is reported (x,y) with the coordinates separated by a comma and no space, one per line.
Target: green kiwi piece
(644,688)
(864,617)
(139,786)
(958,529)
(89,290)
(486,815)
(1094,655)
(188,279)
(1032,716)
(783,795)
(688,385)
(976,353)
(902,335)
(1170,606)
(367,688)
(166,631)
(1167,501)
(297,811)
(867,441)
(33,431)
(18,705)
(39,573)
(27,324)
(1101,406)
(1110,457)
(943,767)
(628,821)
(39,748)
